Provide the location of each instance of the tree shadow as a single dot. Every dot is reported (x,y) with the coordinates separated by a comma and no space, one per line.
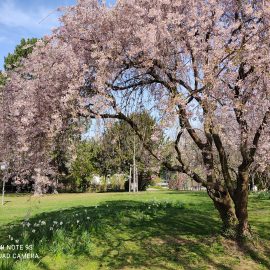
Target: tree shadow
(123,234)
(259,254)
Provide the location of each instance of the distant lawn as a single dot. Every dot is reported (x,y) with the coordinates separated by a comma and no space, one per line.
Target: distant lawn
(149,230)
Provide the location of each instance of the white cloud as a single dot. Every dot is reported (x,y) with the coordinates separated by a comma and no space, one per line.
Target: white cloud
(39,19)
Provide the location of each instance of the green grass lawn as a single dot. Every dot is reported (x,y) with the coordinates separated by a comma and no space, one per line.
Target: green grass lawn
(149,230)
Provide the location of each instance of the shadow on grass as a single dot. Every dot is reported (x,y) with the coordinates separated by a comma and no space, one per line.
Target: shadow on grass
(124,234)
(259,254)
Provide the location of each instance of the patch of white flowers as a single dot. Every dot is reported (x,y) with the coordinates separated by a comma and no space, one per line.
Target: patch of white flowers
(82,218)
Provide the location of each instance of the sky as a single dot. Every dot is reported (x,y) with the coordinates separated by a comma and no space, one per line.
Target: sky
(27,19)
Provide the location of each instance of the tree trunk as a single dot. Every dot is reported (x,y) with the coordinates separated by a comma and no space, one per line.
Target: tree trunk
(224,205)
(227,215)
(241,203)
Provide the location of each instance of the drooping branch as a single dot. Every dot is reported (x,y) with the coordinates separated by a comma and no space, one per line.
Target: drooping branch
(258,133)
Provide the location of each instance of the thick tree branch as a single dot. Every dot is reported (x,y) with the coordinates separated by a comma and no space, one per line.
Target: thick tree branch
(223,162)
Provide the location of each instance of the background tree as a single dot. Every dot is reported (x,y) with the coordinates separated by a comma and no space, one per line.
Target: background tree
(21,51)
(13,60)
(85,165)
(117,147)
(33,118)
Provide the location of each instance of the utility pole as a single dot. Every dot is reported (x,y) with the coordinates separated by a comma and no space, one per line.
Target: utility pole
(134,165)
(130,178)
(133,172)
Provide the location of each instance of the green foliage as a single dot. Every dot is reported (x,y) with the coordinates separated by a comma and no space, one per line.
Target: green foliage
(263,195)
(3,79)
(85,165)
(117,181)
(156,180)
(60,161)
(22,50)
